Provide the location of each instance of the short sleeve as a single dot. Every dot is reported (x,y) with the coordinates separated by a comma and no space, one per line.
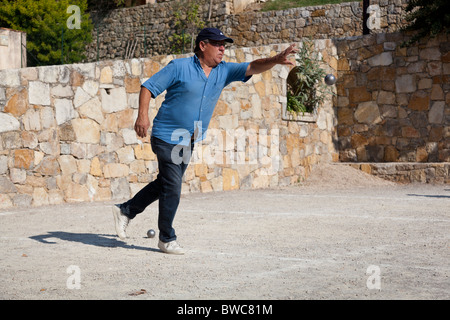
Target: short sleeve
(236,72)
(161,80)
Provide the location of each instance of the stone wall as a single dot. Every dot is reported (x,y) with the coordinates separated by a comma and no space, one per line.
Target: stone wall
(66,132)
(392,101)
(407,172)
(318,22)
(151,25)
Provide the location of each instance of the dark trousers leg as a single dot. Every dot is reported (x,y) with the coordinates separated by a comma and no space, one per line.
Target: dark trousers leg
(166,188)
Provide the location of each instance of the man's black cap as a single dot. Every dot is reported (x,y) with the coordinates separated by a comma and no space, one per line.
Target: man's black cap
(211,34)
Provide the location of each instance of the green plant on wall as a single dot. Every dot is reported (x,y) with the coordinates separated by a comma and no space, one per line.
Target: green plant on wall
(428,18)
(305,86)
(51,37)
(187,23)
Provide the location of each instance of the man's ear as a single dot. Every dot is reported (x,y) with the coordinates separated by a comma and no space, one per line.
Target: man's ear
(202,45)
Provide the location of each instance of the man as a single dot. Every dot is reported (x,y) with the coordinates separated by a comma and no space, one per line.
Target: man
(193,87)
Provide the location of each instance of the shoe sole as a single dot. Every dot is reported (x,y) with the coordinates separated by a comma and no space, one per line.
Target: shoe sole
(116,213)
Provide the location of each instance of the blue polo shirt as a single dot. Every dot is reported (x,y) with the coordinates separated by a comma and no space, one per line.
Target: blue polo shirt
(190,98)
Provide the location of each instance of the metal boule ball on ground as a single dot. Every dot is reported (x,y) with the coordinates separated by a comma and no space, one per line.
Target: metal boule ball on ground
(151,233)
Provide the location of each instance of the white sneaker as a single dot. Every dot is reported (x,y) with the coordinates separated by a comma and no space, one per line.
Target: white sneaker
(121,222)
(170,247)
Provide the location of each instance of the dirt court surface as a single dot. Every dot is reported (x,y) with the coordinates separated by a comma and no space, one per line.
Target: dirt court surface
(340,235)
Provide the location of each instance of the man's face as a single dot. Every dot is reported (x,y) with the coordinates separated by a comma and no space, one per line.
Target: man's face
(214,51)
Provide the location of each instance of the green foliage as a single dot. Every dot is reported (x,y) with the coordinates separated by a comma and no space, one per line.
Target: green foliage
(428,18)
(187,23)
(286,4)
(305,86)
(46,25)
(106,5)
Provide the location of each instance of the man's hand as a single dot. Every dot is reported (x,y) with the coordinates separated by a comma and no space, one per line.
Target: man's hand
(282,57)
(142,122)
(262,65)
(141,126)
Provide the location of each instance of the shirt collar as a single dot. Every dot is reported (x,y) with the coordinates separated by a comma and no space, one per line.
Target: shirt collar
(197,61)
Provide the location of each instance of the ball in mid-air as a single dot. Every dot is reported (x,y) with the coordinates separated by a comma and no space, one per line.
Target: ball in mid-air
(151,233)
(330,79)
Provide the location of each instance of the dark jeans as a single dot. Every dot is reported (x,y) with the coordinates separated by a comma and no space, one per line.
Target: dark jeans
(172,163)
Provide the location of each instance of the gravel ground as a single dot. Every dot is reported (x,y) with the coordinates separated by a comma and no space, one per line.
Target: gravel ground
(342,234)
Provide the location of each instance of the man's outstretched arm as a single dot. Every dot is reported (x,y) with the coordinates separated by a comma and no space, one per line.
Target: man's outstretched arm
(264,64)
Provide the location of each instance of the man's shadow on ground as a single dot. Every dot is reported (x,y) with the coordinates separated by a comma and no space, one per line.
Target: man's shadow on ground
(99,240)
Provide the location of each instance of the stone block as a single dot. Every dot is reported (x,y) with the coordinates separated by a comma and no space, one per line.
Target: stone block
(150,68)
(430,54)
(230,179)
(436,113)
(115,170)
(390,154)
(125,118)
(61,91)
(49,74)
(111,141)
(359,94)
(93,110)
(18,103)
(23,158)
(126,155)
(66,132)
(358,140)
(3,164)
(86,130)
(129,136)
(410,132)
(29,73)
(343,65)
(135,67)
(120,188)
(119,69)
(64,111)
(83,165)
(32,120)
(76,78)
(81,97)
(91,87)
(405,83)
(96,169)
(113,100)
(434,68)
(40,197)
(386,97)
(8,123)
(138,166)
(55,197)
(106,75)
(421,154)
(419,101)
(49,166)
(205,186)
(47,117)
(132,85)
(22,200)
(368,112)
(383,59)
(9,78)
(6,186)
(76,193)
(200,169)
(39,93)
(68,164)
